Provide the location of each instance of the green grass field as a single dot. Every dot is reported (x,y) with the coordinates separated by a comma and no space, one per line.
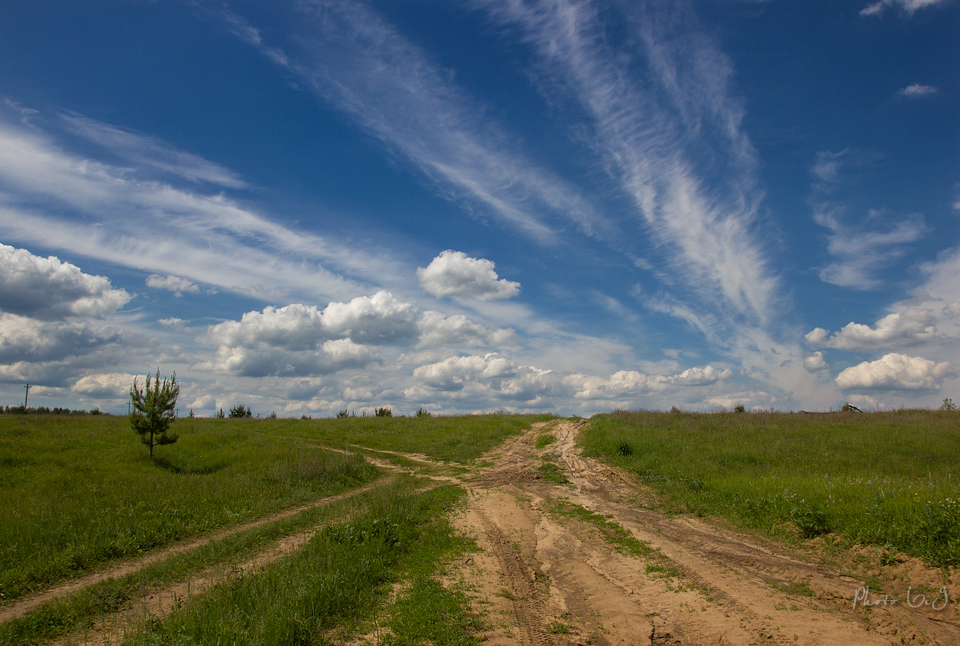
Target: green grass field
(887,479)
(76,492)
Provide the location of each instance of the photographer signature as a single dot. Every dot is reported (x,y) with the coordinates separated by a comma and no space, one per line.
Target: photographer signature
(914,599)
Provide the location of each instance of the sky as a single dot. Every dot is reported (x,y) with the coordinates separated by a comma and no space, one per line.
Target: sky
(308,206)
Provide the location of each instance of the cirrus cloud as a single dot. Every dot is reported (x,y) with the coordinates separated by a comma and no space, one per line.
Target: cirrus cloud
(907,6)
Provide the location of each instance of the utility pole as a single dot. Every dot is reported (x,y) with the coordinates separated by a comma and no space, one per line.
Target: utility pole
(26,397)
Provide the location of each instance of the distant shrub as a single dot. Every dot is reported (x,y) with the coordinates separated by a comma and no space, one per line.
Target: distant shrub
(342,413)
(240,411)
(423,412)
(740,409)
(948,405)
(383,411)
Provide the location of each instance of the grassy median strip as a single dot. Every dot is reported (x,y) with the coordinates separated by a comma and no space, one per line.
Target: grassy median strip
(333,586)
(82,609)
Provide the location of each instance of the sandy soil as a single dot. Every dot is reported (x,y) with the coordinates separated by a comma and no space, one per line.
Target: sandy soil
(542,578)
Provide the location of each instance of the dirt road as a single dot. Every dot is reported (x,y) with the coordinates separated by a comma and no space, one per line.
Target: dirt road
(546,577)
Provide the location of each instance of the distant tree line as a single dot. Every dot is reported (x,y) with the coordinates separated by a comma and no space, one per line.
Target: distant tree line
(43,410)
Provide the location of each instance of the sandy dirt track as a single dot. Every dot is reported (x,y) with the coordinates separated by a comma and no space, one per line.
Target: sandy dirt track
(549,579)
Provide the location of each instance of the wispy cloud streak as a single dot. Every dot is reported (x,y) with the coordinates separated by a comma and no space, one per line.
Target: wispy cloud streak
(670,135)
(357,62)
(156,226)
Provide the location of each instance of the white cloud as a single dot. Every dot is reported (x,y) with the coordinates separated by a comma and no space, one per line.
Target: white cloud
(113,385)
(941,277)
(208,239)
(174,284)
(918,90)
(907,6)
(701,376)
(454,273)
(861,250)
(909,327)
(815,362)
(493,377)
(650,131)
(173,322)
(24,339)
(351,58)
(437,330)
(300,340)
(46,288)
(378,319)
(896,372)
(859,247)
(374,320)
(147,152)
(262,360)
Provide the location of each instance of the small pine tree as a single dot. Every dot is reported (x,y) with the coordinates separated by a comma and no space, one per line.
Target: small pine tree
(240,411)
(948,405)
(153,410)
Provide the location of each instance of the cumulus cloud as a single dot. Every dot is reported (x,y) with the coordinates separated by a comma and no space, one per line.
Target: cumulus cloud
(701,376)
(907,6)
(910,327)
(455,372)
(918,90)
(45,288)
(815,362)
(378,319)
(113,385)
(454,273)
(896,372)
(492,377)
(174,284)
(262,360)
(24,339)
(437,330)
(301,340)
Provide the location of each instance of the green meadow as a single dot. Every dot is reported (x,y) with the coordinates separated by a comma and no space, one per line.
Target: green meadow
(886,479)
(76,492)
(79,492)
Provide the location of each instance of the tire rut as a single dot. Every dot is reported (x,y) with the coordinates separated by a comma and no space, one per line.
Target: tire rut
(724,586)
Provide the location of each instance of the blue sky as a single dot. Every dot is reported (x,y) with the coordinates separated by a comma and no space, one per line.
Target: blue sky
(525,205)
